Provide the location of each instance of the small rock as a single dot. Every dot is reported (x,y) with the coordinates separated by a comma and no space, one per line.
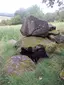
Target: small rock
(12,41)
(40,78)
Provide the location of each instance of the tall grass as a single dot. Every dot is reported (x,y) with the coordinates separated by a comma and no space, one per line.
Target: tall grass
(59,25)
(9,32)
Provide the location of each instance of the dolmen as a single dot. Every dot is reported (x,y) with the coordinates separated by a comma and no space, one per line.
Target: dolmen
(38,32)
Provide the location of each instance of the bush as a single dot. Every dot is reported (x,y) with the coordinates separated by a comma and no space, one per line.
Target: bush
(16,20)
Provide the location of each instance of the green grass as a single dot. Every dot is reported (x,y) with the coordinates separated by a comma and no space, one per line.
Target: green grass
(47,69)
(59,25)
(9,32)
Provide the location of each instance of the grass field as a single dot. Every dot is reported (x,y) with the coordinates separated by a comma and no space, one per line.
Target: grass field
(59,25)
(9,32)
(48,70)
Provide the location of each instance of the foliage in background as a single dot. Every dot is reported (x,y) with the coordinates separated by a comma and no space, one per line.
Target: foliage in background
(52,2)
(21,14)
(34,10)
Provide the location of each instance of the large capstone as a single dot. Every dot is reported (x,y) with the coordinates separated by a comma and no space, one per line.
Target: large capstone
(35,27)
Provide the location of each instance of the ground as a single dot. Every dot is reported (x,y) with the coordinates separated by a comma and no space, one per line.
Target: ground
(47,71)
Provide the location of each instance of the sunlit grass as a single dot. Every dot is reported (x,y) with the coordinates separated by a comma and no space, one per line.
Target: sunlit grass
(9,32)
(59,25)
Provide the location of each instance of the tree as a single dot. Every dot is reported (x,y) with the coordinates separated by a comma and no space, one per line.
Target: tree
(22,13)
(16,20)
(50,17)
(35,11)
(52,2)
(61,13)
(3,22)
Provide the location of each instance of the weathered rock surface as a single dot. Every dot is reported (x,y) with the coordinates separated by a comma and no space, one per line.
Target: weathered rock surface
(33,41)
(57,38)
(19,64)
(32,26)
(51,27)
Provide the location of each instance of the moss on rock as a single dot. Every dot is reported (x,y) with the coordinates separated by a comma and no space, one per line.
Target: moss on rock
(17,65)
(62,74)
(33,41)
